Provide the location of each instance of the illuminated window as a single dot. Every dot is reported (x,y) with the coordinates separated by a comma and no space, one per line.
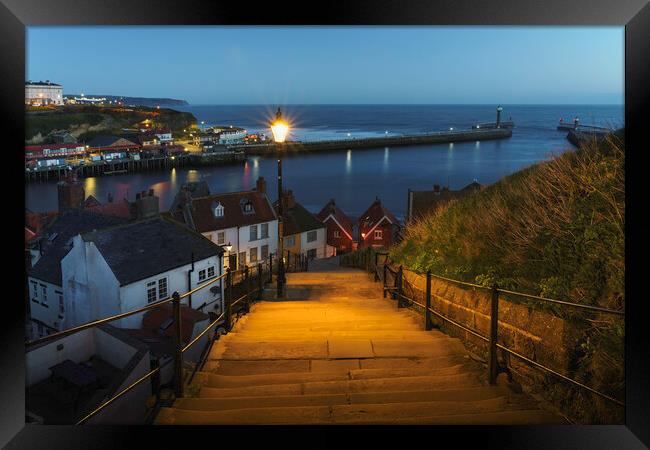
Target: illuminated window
(378,234)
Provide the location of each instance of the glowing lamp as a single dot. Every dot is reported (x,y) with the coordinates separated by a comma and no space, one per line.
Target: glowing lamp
(228,247)
(363,235)
(279,128)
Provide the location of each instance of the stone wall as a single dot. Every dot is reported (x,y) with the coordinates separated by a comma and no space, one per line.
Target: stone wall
(534,333)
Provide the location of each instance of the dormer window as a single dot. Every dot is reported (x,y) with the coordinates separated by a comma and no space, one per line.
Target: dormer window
(218,210)
(247,206)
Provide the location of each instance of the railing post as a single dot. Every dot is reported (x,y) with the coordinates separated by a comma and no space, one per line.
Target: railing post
(288,260)
(385,272)
(246,288)
(427,313)
(270,267)
(178,353)
(259,281)
(494,323)
(399,287)
(306,263)
(228,308)
(376,261)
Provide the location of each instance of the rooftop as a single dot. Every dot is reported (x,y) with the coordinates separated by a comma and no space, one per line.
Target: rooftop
(139,250)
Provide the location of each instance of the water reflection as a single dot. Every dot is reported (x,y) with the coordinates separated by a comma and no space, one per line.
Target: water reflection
(386,155)
(348,162)
(90,187)
(192,175)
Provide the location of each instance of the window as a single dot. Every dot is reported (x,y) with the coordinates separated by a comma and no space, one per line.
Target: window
(151,291)
(289,241)
(202,275)
(378,234)
(311,236)
(248,207)
(265,251)
(218,210)
(242,259)
(221,237)
(34,293)
(210,271)
(253,254)
(61,305)
(337,233)
(264,231)
(253,229)
(44,295)
(162,288)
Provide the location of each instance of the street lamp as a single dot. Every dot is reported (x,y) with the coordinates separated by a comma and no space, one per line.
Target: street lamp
(280,129)
(228,248)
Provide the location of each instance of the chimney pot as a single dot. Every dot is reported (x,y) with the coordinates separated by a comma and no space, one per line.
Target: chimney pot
(150,192)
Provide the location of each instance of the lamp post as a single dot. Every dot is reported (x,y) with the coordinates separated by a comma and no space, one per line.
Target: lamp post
(228,248)
(280,129)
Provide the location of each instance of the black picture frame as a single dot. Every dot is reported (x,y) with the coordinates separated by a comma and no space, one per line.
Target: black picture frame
(15,15)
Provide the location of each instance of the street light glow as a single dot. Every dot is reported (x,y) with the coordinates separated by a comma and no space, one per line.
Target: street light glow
(279,128)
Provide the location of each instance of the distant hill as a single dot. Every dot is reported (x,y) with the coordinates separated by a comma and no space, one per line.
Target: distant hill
(136,101)
(86,121)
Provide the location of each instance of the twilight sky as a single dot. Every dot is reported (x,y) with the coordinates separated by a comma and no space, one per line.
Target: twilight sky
(337,65)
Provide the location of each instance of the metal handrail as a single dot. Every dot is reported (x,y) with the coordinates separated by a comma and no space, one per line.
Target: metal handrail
(202,333)
(496,291)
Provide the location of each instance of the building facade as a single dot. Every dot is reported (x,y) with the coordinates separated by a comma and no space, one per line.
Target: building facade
(378,227)
(243,221)
(41,93)
(339,227)
(303,233)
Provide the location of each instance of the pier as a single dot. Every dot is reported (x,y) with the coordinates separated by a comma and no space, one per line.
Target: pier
(130,165)
(442,137)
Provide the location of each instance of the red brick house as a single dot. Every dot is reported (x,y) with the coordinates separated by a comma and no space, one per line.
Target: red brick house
(339,227)
(378,227)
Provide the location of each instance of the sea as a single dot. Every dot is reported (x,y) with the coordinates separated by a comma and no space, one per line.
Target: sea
(355,178)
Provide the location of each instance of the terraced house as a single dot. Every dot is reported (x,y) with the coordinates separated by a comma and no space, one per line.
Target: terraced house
(245,222)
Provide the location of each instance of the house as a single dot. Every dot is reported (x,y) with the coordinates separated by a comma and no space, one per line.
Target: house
(164,135)
(245,220)
(302,232)
(423,202)
(118,269)
(40,93)
(378,227)
(47,308)
(148,140)
(339,227)
(112,147)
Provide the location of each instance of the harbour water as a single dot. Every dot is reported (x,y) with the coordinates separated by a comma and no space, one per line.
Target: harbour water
(355,177)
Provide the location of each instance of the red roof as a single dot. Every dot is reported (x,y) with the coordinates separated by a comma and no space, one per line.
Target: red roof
(331,209)
(202,211)
(373,216)
(35,222)
(189,317)
(51,146)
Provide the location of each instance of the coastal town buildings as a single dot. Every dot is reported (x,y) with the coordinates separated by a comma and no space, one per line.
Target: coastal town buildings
(420,203)
(122,268)
(339,227)
(41,93)
(302,232)
(245,221)
(378,227)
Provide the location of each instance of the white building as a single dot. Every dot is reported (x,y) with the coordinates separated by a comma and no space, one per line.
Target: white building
(232,136)
(164,136)
(39,93)
(119,269)
(244,220)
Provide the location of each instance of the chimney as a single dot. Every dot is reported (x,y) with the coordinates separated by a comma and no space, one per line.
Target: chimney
(71,195)
(289,200)
(146,206)
(261,185)
(436,188)
(150,192)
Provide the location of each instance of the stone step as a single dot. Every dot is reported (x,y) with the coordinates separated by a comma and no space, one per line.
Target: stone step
(334,348)
(216,404)
(424,336)
(348,386)
(225,381)
(518,417)
(376,325)
(273,366)
(331,414)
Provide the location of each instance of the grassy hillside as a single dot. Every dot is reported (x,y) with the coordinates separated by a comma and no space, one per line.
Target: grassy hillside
(87,121)
(555,229)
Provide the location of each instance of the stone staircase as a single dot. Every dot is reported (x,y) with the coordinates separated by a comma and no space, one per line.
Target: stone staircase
(337,352)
